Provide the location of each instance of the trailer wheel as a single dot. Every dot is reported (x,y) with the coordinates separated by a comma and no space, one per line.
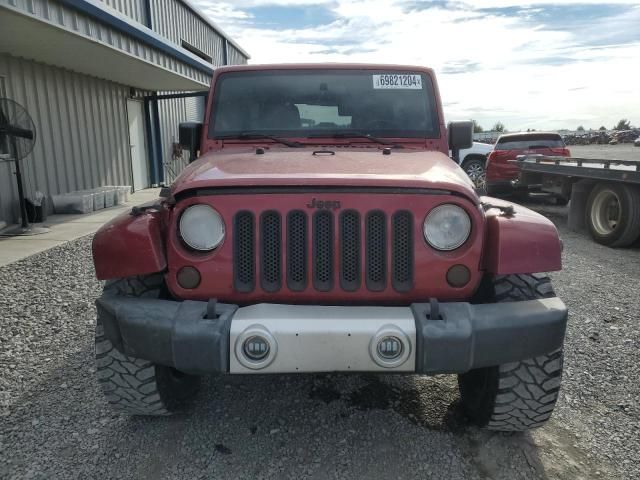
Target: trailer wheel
(613,214)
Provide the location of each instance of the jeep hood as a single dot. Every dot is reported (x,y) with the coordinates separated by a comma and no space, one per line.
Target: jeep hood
(338,167)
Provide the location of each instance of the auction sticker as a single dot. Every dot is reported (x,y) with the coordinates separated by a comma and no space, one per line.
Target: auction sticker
(397,81)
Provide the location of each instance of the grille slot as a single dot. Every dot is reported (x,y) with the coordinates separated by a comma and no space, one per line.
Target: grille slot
(244,254)
(323,251)
(270,251)
(402,251)
(297,250)
(350,264)
(376,241)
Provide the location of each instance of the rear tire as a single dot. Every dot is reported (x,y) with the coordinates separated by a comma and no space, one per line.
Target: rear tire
(132,385)
(613,214)
(515,396)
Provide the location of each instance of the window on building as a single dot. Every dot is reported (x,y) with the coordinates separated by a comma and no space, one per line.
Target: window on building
(196,51)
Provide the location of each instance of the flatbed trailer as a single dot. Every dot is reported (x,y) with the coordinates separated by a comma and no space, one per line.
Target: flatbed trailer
(603,194)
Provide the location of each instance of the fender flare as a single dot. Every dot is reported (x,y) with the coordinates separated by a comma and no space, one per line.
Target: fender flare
(525,242)
(130,245)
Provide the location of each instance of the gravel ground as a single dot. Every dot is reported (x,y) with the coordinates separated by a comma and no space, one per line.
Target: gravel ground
(55,423)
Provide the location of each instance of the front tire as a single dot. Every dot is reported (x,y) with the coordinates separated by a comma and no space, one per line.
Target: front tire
(132,385)
(515,396)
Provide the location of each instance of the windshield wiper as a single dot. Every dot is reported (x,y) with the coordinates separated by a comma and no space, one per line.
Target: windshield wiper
(254,136)
(357,134)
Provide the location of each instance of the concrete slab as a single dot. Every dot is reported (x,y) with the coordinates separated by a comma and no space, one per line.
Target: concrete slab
(65,228)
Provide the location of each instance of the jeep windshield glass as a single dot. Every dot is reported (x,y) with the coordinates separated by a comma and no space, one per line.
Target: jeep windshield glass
(324,103)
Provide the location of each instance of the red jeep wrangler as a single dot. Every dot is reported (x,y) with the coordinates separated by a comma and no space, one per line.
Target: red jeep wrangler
(324,228)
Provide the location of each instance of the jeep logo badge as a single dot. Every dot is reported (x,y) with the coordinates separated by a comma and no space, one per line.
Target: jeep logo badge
(324,205)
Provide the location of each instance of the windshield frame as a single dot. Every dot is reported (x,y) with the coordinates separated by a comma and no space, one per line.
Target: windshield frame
(430,90)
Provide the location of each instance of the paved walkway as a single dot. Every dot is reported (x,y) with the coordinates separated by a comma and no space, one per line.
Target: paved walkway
(65,228)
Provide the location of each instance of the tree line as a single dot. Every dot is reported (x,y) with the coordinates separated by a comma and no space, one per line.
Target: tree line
(623,124)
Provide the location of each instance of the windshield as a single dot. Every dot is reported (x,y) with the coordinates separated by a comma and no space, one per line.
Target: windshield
(309,103)
(530,142)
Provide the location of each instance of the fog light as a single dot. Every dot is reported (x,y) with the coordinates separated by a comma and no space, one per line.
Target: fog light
(188,277)
(458,276)
(256,348)
(389,348)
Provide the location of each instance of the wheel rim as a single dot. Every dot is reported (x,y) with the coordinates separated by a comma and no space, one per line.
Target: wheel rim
(476,172)
(605,212)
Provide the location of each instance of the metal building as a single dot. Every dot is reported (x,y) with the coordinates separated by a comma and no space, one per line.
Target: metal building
(107,83)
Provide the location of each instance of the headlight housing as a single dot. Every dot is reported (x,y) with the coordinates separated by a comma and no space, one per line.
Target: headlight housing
(201,228)
(447,227)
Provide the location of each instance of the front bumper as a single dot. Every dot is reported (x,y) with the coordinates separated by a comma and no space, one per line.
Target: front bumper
(201,337)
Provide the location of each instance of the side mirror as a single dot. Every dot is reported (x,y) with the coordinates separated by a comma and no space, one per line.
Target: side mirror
(189,134)
(460,135)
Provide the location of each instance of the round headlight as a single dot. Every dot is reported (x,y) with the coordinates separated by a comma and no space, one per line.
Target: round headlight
(201,228)
(447,227)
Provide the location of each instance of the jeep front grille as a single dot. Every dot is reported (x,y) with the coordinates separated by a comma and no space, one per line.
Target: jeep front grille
(271,241)
(244,241)
(297,241)
(309,245)
(350,252)
(376,232)
(402,258)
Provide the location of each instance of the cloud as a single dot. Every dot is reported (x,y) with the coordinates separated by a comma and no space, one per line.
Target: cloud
(541,64)
(463,66)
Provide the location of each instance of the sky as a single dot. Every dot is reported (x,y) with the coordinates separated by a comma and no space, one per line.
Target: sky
(545,65)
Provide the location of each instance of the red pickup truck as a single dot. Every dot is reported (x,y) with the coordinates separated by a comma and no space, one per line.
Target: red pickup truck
(324,228)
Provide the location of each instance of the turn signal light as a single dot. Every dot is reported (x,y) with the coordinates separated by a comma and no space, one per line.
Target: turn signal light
(188,277)
(458,276)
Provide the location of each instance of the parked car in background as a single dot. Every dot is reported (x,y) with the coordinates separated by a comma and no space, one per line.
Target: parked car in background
(636,142)
(474,160)
(501,172)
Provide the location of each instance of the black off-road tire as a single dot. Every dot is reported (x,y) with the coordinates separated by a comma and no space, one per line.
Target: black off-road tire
(514,396)
(627,230)
(132,385)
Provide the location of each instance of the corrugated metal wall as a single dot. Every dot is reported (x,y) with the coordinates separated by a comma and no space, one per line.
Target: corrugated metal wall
(176,22)
(81,121)
(81,126)
(236,57)
(73,21)
(195,108)
(134,9)
(172,112)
